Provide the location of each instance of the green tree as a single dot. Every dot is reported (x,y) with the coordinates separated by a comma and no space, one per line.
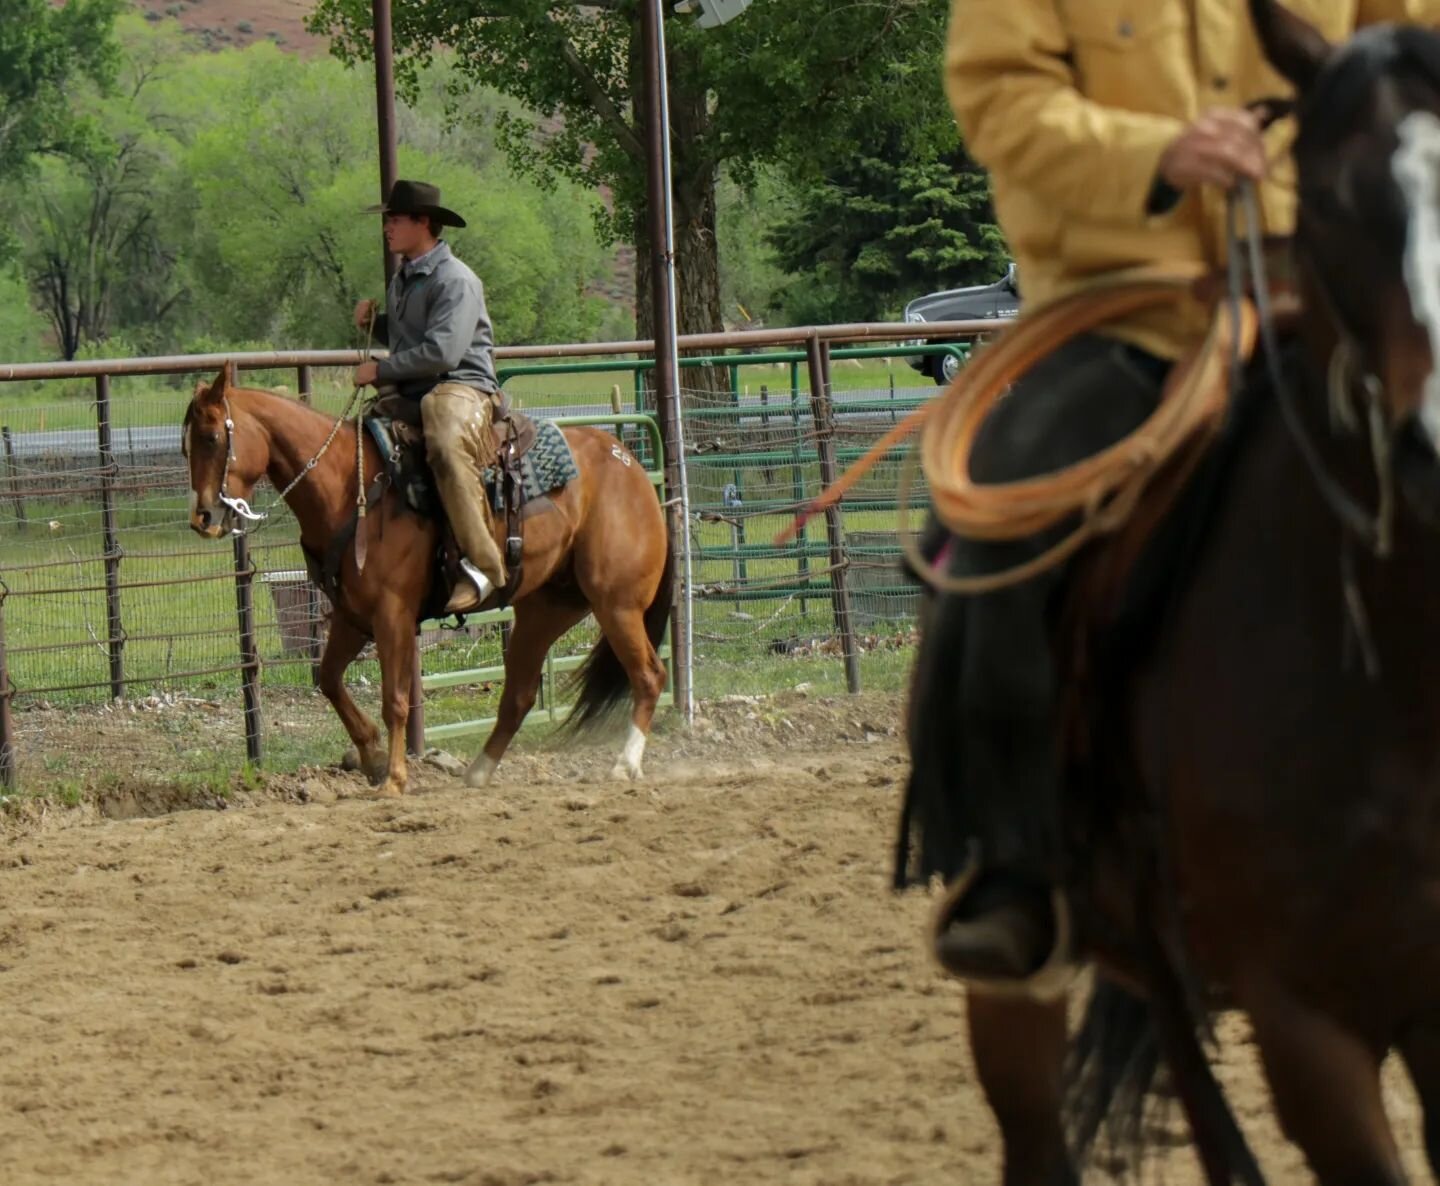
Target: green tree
(752,283)
(882,227)
(782,84)
(22,329)
(43,51)
(281,183)
(94,243)
(219,202)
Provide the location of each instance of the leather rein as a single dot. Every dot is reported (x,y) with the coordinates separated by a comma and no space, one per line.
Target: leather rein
(1374,529)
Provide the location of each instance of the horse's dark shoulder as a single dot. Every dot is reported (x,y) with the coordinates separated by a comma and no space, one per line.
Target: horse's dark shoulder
(1126,631)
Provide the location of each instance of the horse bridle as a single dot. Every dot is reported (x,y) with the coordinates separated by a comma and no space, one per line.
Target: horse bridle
(239,507)
(236,506)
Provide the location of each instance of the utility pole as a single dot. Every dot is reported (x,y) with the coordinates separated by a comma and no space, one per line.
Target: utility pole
(385,123)
(660,231)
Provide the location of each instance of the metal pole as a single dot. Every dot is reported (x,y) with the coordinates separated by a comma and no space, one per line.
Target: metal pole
(415,718)
(304,388)
(111,539)
(738,473)
(834,516)
(615,407)
(769,471)
(389,167)
(660,223)
(797,484)
(315,642)
(7,723)
(14,471)
(249,653)
(385,111)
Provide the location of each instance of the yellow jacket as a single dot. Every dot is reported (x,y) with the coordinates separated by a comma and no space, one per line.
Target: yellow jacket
(1070,103)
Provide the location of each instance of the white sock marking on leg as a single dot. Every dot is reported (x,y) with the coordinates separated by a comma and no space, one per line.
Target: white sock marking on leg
(479,771)
(634,750)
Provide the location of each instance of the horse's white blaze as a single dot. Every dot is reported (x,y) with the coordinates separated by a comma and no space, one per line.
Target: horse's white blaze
(479,771)
(1416,166)
(629,764)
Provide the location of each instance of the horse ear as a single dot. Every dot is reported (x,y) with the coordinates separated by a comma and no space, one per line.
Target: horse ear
(1294,46)
(213,391)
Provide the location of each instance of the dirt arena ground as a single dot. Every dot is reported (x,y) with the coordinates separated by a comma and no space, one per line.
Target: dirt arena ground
(697,979)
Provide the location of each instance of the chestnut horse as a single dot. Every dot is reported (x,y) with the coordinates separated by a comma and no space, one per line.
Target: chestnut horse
(602,550)
(1256,820)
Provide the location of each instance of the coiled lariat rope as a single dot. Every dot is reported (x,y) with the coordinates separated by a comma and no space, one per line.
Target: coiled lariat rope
(1102,490)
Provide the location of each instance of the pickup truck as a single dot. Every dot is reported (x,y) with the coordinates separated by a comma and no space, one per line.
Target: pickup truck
(979,302)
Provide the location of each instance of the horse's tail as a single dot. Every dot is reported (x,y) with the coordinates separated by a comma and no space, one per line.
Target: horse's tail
(602,680)
(1113,1065)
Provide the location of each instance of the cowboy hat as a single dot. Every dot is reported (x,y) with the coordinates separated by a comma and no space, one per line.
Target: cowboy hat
(417,197)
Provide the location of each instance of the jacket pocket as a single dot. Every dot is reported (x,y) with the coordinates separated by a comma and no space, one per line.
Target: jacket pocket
(1123,51)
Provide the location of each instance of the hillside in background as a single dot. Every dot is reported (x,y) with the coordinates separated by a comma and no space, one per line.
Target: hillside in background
(239,22)
(222,24)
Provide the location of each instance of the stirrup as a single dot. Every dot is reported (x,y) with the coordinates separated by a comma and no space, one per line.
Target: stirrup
(1048,982)
(477,578)
(469,594)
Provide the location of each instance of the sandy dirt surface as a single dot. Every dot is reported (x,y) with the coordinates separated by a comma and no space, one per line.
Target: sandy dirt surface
(697,979)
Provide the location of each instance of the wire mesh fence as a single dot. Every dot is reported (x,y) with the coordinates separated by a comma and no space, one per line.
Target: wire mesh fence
(107,593)
(766,614)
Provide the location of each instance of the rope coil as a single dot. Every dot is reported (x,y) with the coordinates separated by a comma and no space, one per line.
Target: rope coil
(1101,490)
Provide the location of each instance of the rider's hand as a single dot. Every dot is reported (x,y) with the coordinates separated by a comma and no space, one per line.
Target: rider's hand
(364,314)
(366,373)
(1220,148)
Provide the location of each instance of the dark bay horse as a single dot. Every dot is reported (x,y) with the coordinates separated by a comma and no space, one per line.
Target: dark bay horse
(603,549)
(1256,819)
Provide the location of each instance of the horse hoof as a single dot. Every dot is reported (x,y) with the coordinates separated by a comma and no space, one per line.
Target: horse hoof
(479,773)
(624,773)
(375,769)
(390,789)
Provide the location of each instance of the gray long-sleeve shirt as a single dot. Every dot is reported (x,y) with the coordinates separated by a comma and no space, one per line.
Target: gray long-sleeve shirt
(436,326)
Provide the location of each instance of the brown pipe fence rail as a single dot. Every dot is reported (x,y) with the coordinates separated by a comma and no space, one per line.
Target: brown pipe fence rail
(103,591)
